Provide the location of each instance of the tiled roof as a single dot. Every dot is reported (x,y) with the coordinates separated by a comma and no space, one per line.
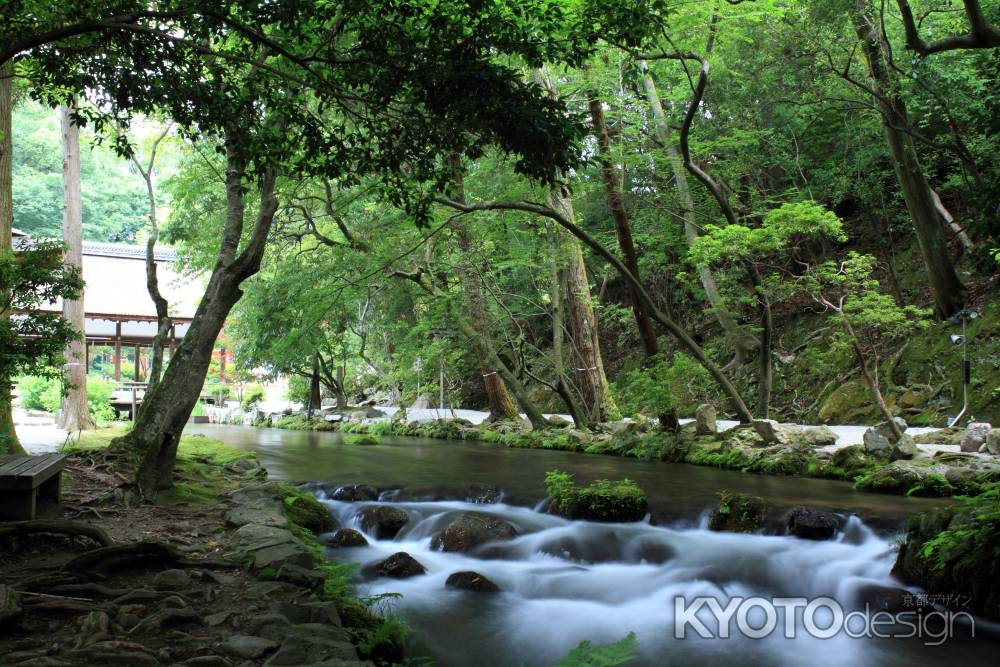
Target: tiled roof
(127,251)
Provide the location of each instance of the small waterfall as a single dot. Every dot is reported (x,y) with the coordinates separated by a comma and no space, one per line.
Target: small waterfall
(566,581)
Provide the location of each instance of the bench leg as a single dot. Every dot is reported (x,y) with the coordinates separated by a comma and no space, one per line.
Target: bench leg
(19,505)
(51,489)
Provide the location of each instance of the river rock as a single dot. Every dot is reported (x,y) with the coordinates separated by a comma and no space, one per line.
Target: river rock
(471,581)
(248,646)
(620,427)
(400,565)
(382,521)
(975,436)
(10,606)
(992,443)
(483,494)
(738,513)
(880,441)
(559,422)
(346,537)
(775,433)
(472,529)
(355,492)
(705,420)
(818,436)
(812,524)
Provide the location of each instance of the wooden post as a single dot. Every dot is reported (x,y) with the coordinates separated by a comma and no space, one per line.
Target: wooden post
(222,365)
(118,351)
(137,370)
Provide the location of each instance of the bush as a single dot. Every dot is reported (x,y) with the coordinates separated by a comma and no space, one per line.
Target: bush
(32,390)
(298,389)
(99,393)
(252,395)
(217,391)
(738,513)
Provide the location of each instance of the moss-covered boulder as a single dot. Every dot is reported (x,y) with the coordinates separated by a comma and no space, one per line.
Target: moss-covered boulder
(616,501)
(358,439)
(898,477)
(850,403)
(953,552)
(796,459)
(850,462)
(303,509)
(738,513)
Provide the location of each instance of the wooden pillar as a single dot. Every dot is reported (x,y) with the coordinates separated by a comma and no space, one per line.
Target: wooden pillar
(118,351)
(137,370)
(222,365)
(86,355)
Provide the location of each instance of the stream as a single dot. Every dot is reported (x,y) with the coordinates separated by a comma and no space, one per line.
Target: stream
(562,582)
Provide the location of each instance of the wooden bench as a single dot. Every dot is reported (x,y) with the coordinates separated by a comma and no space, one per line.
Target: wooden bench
(25,480)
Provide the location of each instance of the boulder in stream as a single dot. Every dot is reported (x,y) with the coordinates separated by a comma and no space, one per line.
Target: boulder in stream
(812,524)
(472,529)
(400,565)
(344,538)
(355,492)
(880,441)
(471,581)
(382,521)
(975,436)
(738,513)
(775,433)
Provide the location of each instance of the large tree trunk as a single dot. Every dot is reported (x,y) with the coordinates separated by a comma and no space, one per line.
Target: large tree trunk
(616,205)
(157,430)
(74,415)
(8,436)
(588,370)
(743,341)
(501,404)
(949,292)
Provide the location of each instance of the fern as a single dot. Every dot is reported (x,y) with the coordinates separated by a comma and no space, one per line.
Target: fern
(601,655)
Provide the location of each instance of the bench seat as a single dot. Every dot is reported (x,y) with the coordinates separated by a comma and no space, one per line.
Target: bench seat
(26,480)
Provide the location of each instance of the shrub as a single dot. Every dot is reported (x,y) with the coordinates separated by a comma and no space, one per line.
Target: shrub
(32,389)
(252,395)
(99,393)
(738,513)
(352,439)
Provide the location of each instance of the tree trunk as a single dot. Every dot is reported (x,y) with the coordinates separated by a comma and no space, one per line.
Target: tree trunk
(157,431)
(765,374)
(339,389)
(743,342)
(74,415)
(616,205)
(315,399)
(949,292)
(870,378)
(8,436)
(501,404)
(163,319)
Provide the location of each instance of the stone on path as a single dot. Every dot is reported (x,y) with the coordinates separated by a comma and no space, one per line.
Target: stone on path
(248,646)
(10,605)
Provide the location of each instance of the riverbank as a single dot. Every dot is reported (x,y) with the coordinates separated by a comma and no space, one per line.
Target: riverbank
(223,569)
(931,469)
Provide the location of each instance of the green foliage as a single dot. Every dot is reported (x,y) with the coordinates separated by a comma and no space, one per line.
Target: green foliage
(252,395)
(607,655)
(33,343)
(602,500)
(679,384)
(298,389)
(353,439)
(46,393)
(31,390)
(972,540)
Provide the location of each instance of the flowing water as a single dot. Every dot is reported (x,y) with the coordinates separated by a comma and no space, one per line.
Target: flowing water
(566,581)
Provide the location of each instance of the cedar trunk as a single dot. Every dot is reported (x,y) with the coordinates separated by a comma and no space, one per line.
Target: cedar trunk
(74,415)
(616,204)
(8,436)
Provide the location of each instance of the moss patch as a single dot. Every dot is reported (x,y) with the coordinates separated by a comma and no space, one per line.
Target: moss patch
(359,439)
(603,500)
(738,513)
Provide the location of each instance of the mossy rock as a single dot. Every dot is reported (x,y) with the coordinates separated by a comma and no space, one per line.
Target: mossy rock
(892,478)
(850,403)
(738,513)
(616,501)
(796,459)
(942,436)
(850,462)
(303,509)
(359,439)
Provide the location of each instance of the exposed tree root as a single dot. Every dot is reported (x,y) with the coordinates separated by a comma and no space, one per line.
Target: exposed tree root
(105,558)
(58,527)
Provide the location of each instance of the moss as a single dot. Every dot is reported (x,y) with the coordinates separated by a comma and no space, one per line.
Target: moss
(738,513)
(850,403)
(934,485)
(603,500)
(357,439)
(788,461)
(304,510)
(205,469)
(892,478)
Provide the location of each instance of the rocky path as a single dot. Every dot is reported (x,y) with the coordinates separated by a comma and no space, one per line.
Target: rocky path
(215,585)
